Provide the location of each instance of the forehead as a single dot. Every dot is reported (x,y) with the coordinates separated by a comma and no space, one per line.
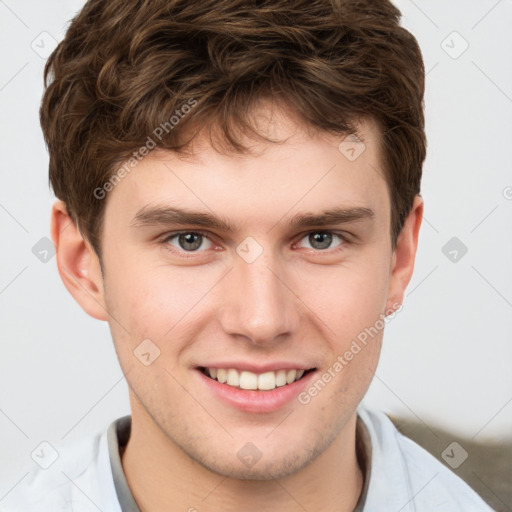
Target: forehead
(305,171)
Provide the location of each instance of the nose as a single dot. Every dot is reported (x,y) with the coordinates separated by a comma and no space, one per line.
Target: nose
(259,304)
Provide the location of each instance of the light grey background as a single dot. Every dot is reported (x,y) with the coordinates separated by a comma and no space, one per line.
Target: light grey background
(447,355)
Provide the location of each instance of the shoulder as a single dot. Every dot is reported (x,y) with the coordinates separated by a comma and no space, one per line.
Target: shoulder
(79,479)
(405,476)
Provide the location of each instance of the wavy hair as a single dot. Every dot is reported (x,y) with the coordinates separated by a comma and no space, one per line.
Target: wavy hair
(125,66)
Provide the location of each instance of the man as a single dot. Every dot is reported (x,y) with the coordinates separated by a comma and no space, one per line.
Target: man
(239,197)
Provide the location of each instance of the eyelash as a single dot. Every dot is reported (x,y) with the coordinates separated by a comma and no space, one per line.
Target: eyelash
(193,254)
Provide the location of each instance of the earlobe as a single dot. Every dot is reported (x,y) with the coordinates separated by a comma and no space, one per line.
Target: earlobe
(77,263)
(402,263)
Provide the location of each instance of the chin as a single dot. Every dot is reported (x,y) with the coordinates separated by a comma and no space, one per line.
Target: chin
(249,463)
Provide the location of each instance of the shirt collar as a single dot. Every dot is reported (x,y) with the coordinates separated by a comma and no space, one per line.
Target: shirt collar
(117,438)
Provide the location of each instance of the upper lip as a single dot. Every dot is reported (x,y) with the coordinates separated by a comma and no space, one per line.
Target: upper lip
(259,368)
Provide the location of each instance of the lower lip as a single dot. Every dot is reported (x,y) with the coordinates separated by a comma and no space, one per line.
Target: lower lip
(256,401)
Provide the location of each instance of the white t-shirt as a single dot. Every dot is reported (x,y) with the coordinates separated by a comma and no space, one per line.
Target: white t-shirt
(88,476)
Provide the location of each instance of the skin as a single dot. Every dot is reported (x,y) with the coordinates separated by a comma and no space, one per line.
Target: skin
(295,302)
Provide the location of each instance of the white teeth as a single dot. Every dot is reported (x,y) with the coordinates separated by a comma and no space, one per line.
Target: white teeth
(233,378)
(290,376)
(267,381)
(252,381)
(281,378)
(248,380)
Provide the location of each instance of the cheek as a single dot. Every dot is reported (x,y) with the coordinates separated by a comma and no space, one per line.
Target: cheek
(156,301)
(348,299)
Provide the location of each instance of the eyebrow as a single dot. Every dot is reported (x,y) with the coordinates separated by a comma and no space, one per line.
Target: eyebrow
(166,215)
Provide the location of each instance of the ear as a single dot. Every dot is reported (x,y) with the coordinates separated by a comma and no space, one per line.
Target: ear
(78,265)
(402,263)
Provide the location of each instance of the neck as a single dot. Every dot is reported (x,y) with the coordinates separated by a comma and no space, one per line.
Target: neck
(162,477)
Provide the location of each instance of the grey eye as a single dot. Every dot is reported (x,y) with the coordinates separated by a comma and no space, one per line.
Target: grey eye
(321,240)
(190,241)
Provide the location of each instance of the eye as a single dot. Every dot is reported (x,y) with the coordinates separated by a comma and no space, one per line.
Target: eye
(196,241)
(189,241)
(321,240)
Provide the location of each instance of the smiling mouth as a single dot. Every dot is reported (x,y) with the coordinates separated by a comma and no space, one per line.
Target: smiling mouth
(251,381)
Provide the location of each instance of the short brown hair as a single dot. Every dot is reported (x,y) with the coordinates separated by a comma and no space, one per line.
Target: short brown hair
(126,66)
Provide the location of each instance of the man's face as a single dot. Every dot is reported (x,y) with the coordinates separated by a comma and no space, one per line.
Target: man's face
(267,295)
